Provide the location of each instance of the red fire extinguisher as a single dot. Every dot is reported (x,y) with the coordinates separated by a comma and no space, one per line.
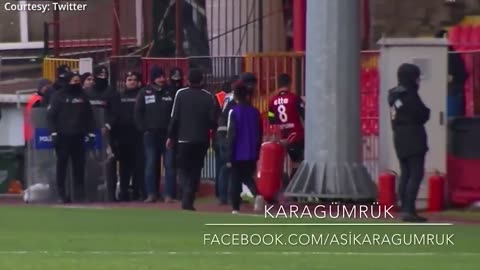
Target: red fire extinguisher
(270,170)
(436,192)
(386,189)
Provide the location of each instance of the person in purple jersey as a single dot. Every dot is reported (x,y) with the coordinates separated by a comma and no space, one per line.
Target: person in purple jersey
(244,139)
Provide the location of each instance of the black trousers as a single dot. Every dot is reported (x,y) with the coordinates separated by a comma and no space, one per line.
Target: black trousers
(242,172)
(131,159)
(71,147)
(190,161)
(412,172)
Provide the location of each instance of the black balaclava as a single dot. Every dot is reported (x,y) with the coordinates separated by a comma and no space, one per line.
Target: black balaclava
(408,75)
(101,77)
(72,88)
(176,77)
(61,72)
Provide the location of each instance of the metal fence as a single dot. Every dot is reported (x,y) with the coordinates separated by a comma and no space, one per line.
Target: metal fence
(267,67)
(50,66)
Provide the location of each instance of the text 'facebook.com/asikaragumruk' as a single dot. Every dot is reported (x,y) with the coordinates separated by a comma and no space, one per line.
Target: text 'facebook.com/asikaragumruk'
(341,239)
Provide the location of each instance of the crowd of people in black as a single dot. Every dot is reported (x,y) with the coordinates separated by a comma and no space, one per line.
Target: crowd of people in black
(167,119)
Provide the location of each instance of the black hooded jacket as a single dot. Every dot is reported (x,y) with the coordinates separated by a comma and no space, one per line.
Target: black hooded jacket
(107,98)
(408,114)
(153,108)
(70,112)
(126,119)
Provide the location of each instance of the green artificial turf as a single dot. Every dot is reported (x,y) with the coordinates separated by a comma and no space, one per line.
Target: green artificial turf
(40,238)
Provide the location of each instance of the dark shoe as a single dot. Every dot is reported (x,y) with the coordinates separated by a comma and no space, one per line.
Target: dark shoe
(64,200)
(414,218)
(189,208)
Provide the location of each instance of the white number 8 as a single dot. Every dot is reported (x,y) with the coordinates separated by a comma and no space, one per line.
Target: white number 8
(282,113)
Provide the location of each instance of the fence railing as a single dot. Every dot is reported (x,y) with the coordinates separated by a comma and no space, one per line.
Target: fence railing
(50,66)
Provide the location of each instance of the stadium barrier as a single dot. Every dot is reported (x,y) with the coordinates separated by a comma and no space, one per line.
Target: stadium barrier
(50,66)
(41,163)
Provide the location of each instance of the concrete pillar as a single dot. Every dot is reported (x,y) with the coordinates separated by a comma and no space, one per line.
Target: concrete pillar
(333,163)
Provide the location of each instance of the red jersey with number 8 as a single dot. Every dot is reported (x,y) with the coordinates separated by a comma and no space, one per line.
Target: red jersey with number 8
(287,110)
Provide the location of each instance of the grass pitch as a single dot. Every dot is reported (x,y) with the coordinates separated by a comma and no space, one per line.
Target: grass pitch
(48,238)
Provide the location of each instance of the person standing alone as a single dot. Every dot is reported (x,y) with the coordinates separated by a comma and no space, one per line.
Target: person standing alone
(193,117)
(409,116)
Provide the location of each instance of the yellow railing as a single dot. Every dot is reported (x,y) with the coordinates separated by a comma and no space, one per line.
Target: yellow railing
(50,66)
(267,67)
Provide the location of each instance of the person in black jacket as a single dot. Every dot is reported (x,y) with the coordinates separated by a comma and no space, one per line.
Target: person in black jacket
(193,117)
(152,115)
(70,120)
(58,85)
(408,117)
(176,78)
(131,152)
(102,96)
(87,81)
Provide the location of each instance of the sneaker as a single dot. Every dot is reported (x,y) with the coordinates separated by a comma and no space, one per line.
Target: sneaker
(259,204)
(150,199)
(189,208)
(235,212)
(169,200)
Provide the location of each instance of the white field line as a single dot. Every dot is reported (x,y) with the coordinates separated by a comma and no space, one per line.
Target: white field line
(233,253)
(322,224)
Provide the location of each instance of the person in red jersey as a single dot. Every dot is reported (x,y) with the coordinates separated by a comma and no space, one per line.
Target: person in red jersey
(287,110)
